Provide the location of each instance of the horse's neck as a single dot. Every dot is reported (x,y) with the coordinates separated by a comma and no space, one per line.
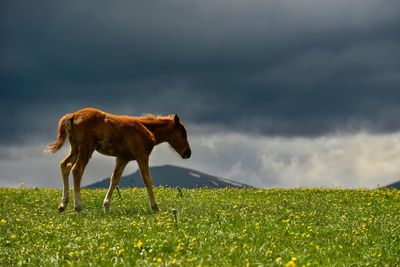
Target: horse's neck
(160,128)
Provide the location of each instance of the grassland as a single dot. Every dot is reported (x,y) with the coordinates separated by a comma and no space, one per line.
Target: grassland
(224,227)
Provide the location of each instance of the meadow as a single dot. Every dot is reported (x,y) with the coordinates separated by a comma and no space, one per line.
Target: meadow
(203,227)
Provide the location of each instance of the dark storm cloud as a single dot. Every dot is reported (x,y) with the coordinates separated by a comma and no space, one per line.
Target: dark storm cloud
(292,68)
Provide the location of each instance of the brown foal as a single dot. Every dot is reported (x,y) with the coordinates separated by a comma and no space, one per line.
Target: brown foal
(124,137)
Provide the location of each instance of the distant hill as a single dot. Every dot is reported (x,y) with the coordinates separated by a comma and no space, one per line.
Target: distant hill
(394,185)
(172,176)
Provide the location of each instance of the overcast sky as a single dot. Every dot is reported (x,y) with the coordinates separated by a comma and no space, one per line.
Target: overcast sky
(274,93)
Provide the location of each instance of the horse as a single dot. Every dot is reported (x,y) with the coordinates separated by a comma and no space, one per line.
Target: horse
(126,138)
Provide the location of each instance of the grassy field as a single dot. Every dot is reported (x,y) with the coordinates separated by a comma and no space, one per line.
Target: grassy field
(224,227)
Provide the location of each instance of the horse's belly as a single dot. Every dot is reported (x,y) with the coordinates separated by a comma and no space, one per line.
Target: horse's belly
(106,148)
(107,152)
(109,149)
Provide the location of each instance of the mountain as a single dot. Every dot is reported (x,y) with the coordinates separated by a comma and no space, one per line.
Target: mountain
(172,176)
(394,185)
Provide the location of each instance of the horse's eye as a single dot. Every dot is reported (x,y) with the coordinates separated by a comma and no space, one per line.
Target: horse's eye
(184,134)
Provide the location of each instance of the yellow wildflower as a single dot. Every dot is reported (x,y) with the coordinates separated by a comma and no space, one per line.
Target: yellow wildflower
(3,222)
(138,244)
(179,247)
(291,263)
(121,251)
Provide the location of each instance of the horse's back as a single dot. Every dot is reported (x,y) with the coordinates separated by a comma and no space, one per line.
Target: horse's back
(101,129)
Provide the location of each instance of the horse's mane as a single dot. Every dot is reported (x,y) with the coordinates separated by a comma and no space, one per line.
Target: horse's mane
(152,121)
(152,117)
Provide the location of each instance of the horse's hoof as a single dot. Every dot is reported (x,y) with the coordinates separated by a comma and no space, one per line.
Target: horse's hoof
(106,206)
(78,209)
(155,209)
(61,209)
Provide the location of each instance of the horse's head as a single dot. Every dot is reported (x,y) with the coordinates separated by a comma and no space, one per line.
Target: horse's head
(178,139)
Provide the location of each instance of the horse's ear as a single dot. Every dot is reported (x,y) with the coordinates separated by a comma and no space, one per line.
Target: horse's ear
(176,119)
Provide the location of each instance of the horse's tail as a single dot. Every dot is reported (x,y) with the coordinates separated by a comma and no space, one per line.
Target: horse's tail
(64,127)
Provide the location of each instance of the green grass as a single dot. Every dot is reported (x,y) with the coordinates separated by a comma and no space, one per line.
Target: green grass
(225,227)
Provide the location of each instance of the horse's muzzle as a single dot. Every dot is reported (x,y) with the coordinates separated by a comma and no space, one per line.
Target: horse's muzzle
(187,154)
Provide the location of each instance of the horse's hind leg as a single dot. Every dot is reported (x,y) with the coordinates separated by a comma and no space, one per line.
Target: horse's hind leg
(77,172)
(66,165)
(116,176)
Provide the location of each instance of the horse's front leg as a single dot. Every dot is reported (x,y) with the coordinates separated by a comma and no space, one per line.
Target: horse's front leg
(116,176)
(144,169)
